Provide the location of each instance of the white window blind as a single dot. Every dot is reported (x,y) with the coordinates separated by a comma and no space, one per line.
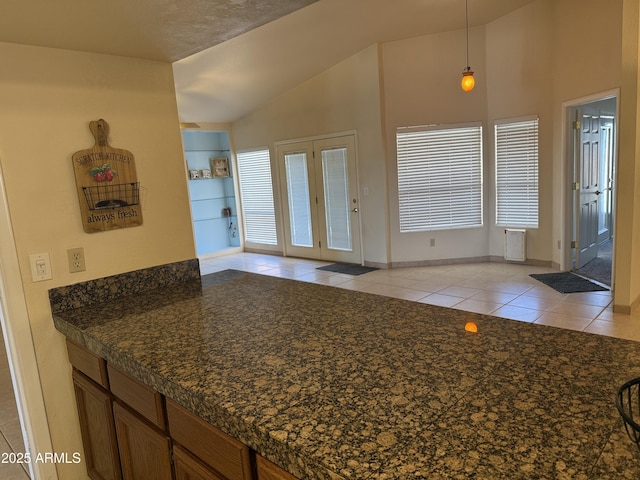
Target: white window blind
(517,174)
(336,199)
(298,195)
(439,177)
(256,193)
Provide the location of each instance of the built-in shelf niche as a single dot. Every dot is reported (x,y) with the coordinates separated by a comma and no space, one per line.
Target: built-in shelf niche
(213,200)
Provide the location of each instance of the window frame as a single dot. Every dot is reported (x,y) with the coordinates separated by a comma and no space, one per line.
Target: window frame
(525,192)
(416,187)
(272,237)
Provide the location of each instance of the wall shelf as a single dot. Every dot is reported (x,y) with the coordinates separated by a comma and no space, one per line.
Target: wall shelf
(213,231)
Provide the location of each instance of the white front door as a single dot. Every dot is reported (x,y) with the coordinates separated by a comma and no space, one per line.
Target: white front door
(320,190)
(589,190)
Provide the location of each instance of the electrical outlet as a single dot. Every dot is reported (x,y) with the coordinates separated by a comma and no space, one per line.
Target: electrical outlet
(432,242)
(75,257)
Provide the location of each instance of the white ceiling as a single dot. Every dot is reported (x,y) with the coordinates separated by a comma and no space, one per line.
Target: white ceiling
(232,56)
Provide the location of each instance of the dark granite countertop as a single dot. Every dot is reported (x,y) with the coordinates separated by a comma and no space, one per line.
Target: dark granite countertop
(330,383)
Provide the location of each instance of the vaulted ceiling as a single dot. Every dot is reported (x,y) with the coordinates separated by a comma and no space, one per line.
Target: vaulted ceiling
(231,56)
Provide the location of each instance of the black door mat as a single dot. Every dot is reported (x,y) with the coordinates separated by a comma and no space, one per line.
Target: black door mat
(347,268)
(567,282)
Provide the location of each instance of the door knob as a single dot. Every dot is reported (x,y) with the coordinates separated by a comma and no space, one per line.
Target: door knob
(355,210)
(597,192)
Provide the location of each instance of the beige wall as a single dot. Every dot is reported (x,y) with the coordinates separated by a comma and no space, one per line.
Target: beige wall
(48,98)
(534,61)
(520,84)
(627,231)
(421,87)
(344,98)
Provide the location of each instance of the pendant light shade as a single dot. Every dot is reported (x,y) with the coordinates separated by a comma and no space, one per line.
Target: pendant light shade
(468,82)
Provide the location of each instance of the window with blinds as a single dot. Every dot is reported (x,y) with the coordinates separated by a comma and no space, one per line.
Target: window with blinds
(517,173)
(439,177)
(256,193)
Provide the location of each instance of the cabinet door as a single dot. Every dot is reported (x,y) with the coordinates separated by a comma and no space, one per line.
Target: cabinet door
(189,467)
(145,453)
(97,428)
(270,471)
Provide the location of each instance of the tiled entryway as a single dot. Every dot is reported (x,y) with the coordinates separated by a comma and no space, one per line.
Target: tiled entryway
(10,433)
(501,289)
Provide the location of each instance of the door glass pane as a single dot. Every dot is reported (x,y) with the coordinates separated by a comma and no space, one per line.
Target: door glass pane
(604,183)
(336,198)
(298,195)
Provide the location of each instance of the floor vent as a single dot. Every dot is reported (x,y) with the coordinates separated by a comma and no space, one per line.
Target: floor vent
(515,245)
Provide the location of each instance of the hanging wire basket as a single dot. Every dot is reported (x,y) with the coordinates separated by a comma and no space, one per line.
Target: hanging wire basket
(628,404)
(112,195)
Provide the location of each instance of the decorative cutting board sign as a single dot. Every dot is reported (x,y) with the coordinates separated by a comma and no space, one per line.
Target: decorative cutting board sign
(108,188)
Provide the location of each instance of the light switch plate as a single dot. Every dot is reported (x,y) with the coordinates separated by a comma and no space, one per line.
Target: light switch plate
(40,267)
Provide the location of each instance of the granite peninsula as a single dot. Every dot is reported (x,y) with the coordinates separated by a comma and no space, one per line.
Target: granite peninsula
(330,383)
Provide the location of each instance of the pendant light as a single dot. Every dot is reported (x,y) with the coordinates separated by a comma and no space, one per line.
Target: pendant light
(468,82)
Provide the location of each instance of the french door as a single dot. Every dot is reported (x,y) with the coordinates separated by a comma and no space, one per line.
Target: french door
(320,193)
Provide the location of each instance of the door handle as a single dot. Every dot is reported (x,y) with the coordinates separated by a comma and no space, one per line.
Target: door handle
(597,192)
(355,210)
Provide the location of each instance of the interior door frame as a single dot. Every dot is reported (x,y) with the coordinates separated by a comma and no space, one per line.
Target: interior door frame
(282,187)
(568,112)
(19,345)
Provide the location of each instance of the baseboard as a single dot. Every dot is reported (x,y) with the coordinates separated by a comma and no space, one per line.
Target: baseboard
(628,309)
(458,261)
(220,253)
(275,253)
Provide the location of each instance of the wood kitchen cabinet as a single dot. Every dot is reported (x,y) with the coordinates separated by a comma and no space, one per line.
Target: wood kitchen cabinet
(120,442)
(227,456)
(130,432)
(97,428)
(145,453)
(188,467)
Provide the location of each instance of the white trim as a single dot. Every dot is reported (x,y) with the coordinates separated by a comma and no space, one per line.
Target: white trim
(316,137)
(20,349)
(516,201)
(526,118)
(426,164)
(249,185)
(438,126)
(281,198)
(566,212)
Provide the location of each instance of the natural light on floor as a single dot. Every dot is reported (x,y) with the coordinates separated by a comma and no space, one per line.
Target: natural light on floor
(499,289)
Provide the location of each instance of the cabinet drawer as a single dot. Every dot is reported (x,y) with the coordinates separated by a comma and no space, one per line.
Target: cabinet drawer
(270,471)
(223,453)
(143,399)
(91,365)
(188,467)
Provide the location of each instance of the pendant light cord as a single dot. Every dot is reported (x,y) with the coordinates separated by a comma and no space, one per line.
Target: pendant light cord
(466,16)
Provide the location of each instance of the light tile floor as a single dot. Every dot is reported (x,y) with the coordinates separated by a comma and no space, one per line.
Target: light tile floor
(501,289)
(10,433)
